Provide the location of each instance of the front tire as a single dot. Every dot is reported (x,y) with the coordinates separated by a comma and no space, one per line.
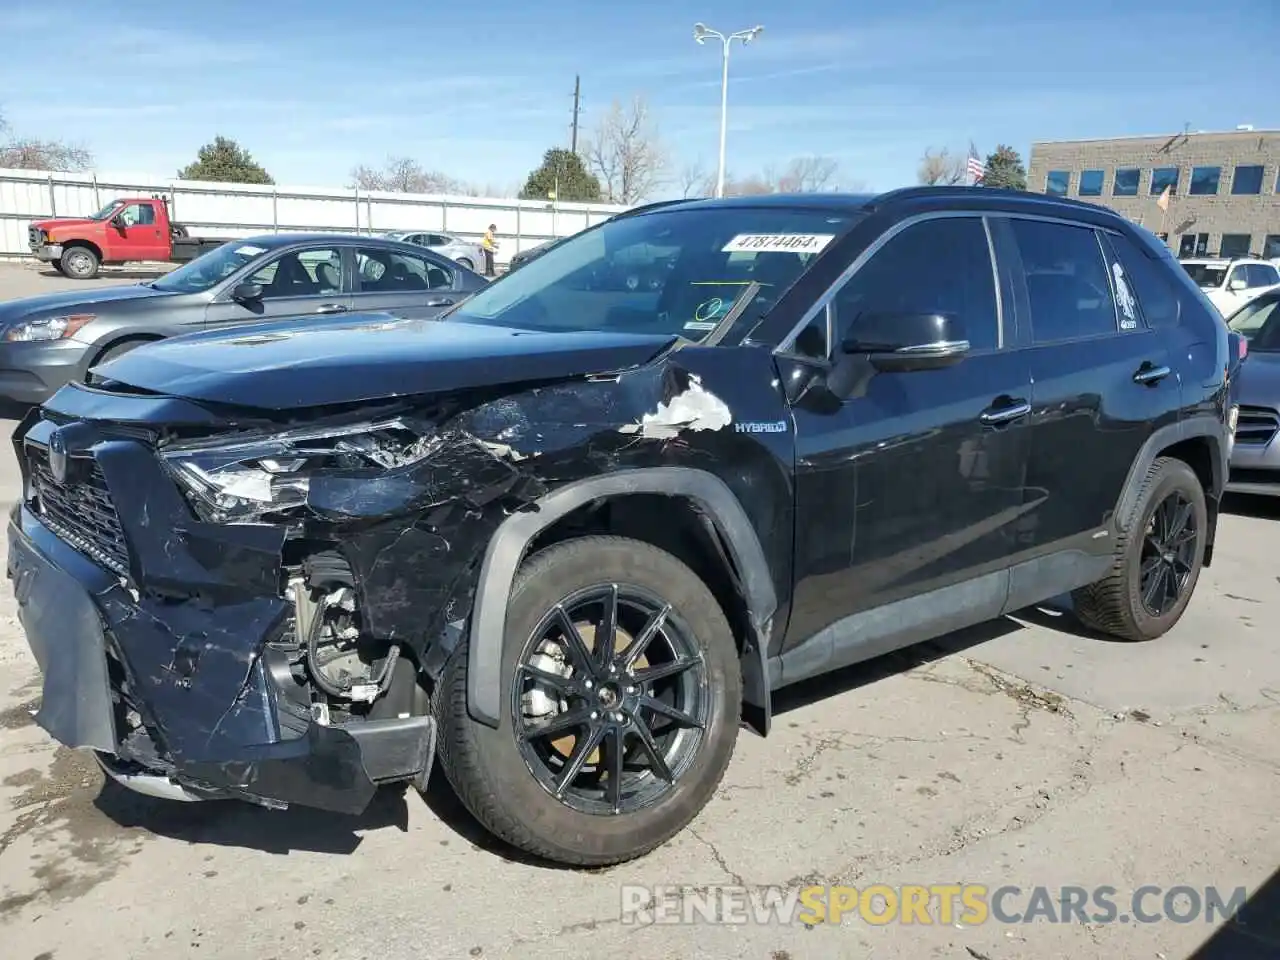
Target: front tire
(56,263)
(80,263)
(551,778)
(466,263)
(1157,562)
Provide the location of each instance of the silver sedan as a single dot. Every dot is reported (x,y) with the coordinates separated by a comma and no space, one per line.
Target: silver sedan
(467,253)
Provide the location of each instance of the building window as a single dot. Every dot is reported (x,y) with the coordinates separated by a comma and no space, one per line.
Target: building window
(1057,183)
(1235,244)
(1247,181)
(1193,245)
(1126,184)
(1162,177)
(1271,246)
(1204,181)
(1091,183)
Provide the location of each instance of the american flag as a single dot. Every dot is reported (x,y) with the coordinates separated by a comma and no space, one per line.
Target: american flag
(974,168)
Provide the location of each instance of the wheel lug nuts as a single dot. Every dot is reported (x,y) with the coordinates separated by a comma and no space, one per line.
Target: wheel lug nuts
(631,689)
(594,715)
(589,684)
(618,718)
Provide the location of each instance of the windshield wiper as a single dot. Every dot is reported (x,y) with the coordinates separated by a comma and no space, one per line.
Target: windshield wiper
(739,307)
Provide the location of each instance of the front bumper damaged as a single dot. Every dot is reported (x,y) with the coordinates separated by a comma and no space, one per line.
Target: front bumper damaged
(193,672)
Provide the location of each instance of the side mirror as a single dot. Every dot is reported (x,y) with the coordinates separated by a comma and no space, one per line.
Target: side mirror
(1237,284)
(899,342)
(118,222)
(247,292)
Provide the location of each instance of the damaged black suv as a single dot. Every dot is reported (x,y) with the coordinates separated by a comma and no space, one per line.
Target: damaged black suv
(567,537)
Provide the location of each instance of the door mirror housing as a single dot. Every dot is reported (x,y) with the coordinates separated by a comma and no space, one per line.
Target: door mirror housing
(247,292)
(118,222)
(900,342)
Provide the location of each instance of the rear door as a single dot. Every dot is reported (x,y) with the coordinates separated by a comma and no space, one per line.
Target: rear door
(1102,381)
(301,283)
(411,285)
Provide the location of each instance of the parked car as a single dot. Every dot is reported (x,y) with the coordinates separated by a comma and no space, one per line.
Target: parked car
(49,340)
(466,252)
(532,253)
(1255,458)
(1231,283)
(568,537)
(124,231)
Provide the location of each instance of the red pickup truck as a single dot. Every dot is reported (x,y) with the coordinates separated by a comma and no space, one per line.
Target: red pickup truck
(125,230)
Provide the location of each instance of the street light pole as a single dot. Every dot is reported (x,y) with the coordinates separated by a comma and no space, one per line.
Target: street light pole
(700,33)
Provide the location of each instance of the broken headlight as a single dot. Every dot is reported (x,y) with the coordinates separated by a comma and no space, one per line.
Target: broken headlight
(247,480)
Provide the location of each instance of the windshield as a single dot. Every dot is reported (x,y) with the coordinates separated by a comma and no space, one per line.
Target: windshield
(209,269)
(1259,323)
(672,272)
(1204,276)
(106,211)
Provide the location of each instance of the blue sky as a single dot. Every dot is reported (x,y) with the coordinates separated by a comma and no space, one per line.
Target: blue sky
(480,89)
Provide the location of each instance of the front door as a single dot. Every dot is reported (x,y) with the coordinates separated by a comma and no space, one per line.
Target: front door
(140,235)
(416,287)
(909,482)
(301,284)
(1102,381)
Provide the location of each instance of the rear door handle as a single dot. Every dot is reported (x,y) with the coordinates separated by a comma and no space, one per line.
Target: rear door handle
(1150,374)
(441,302)
(1005,410)
(332,308)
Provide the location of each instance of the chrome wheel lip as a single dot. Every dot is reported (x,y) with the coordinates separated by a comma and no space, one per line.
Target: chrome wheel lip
(625,713)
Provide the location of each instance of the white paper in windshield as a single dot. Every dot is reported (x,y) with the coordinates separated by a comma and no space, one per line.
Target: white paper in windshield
(248,250)
(777,243)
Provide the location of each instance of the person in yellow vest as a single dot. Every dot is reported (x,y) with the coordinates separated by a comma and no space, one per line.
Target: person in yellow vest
(490,246)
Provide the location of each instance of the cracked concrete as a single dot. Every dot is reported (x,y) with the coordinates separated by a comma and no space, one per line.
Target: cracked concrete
(1017,754)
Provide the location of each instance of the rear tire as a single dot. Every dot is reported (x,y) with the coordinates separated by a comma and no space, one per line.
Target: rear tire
(1157,561)
(465,262)
(80,263)
(509,784)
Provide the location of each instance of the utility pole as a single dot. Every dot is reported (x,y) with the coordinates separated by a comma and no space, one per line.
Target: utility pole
(577,106)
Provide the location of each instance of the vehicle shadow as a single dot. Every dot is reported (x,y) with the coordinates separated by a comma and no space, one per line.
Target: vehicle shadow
(1253,933)
(108,273)
(1252,506)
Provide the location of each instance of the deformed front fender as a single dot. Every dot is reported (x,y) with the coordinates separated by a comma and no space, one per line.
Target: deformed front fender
(507,549)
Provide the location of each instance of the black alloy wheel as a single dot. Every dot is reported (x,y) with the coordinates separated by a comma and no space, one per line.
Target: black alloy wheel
(1168,554)
(611,699)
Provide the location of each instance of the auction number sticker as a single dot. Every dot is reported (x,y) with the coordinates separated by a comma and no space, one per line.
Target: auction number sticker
(778,243)
(250,251)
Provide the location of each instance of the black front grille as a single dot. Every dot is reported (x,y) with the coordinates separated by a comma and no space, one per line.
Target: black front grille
(80,510)
(1257,426)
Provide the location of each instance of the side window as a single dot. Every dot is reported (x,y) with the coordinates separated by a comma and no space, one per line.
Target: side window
(138,215)
(938,266)
(1148,280)
(1262,275)
(382,271)
(1068,282)
(301,273)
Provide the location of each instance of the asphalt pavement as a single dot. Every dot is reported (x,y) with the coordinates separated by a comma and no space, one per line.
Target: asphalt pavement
(1024,752)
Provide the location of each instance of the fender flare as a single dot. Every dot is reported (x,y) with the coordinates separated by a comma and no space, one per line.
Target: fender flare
(507,549)
(1208,427)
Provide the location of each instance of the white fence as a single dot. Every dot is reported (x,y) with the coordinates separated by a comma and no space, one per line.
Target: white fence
(243,210)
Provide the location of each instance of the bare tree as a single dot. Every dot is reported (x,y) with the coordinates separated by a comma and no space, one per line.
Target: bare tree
(941,168)
(625,153)
(27,153)
(807,175)
(695,181)
(406,175)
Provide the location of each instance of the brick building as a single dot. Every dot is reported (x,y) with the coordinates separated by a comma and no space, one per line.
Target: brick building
(1224,196)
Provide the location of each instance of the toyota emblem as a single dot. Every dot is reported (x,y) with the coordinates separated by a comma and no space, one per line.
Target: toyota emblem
(58,456)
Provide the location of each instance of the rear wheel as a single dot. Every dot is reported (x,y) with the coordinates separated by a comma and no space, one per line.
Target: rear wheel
(1157,563)
(622,695)
(79,263)
(466,262)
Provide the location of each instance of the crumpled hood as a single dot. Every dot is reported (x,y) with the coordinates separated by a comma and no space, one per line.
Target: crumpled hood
(84,300)
(303,363)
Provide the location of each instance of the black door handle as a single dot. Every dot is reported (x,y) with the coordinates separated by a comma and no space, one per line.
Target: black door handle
(1150,374)
(1005,410)
(441,302)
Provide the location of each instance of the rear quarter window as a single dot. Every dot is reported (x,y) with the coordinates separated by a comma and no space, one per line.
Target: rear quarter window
(1150,280)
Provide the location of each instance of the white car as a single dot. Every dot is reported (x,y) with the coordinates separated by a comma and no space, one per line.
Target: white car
(1231,283)
(464,252)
